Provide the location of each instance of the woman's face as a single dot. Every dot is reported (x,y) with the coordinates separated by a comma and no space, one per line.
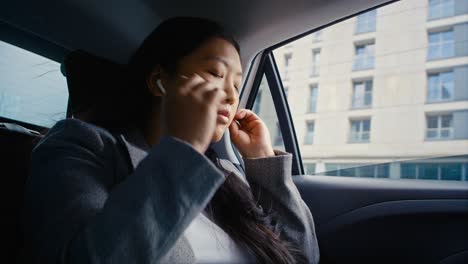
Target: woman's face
(217,60)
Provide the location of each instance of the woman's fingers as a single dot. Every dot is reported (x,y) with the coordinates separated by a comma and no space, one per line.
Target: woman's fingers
(234,127)
(245,116)
(187,83)
(240,115)
(250,135)
(209,92)
(201,88)
(204,91)
(191,110)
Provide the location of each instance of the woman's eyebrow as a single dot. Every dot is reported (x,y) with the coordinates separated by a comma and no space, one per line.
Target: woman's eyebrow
(223,61)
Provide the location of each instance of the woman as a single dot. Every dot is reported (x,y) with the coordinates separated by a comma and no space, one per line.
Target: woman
(147,189)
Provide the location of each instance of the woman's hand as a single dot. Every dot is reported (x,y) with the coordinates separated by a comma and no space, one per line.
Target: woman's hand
(250,135)
(190,109)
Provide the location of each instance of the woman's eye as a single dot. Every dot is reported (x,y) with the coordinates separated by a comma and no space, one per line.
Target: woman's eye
(217,75)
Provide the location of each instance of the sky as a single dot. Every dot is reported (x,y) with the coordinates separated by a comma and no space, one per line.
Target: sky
(32,88)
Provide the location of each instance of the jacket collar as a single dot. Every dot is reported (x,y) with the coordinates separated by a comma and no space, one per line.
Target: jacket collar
(137,149)
(136,146)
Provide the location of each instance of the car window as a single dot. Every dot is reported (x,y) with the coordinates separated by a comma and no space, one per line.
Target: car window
(265,109)
(32,88)
(383,94)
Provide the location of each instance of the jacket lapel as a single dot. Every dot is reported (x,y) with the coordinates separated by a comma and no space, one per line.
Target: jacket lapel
(135,146)
(137,150)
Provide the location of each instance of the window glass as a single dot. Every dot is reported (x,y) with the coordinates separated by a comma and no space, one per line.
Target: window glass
(380,107)
(356,170)
(317,36)
(287,65)
(309,168)
(408,171)
(439,126)
(278,139)
(441,8)
(258,102)
(441,45)
(364,57)
(362,94)
(382,170)
(315,69)
(265,109)
(313,98)
(32,88)
(309,138)
(440,86)
(360,131)
(366,22)
(451,172)
(428,171)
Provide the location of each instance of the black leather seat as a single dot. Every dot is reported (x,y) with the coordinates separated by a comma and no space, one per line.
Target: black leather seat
(16,144)
(87,83)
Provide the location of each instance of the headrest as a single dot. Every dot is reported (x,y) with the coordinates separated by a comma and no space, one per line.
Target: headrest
(91,80)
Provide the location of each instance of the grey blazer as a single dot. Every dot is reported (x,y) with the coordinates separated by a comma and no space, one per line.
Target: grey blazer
(97,197)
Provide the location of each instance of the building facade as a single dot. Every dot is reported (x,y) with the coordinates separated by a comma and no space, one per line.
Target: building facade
(387,87)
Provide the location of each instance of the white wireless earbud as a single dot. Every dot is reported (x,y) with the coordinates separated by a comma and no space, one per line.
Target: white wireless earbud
(160,86)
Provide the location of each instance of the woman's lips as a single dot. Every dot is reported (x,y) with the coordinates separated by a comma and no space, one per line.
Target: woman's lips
(223,116)
(224,113)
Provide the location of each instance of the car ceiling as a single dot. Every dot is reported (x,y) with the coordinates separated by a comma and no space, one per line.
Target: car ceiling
(114,29)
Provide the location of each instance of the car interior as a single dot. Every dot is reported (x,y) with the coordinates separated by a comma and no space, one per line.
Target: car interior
(358,219)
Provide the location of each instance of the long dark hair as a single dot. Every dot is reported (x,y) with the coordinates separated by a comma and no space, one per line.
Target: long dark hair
(233,206)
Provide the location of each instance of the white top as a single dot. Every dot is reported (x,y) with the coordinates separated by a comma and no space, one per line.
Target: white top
(211,244)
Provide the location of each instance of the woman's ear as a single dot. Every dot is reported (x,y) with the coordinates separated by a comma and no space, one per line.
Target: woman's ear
(152,82)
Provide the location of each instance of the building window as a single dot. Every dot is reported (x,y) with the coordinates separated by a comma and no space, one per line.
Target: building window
(440,87)
(309,136)
(366,22)
(434,171)
(364,57)
(441,45)
(451,172)
(362,94)
(309,168)
(315,69)
(441,8)
(313,99)
(360,131)
(341,169)
(287,65)
(357,170)
(439,126)
(317,36)
(408,171)
(279,136)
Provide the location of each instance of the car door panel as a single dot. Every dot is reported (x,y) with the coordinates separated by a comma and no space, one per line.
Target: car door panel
(387,221)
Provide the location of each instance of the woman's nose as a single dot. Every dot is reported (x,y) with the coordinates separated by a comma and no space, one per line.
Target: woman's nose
(230,93)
